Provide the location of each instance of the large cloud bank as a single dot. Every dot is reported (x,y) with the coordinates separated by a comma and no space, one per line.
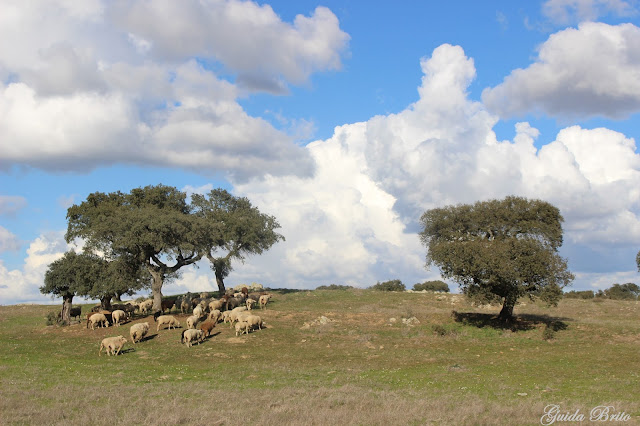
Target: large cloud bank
(354,221)
(96,83)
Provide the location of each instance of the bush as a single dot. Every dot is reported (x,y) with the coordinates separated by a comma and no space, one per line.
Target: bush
(393,285)
(334,287)
(53,318)
(432,286)
(585,294)
(628,291)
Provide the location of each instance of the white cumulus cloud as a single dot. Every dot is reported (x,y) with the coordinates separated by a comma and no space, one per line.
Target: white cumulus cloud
(148,83)
(583,72)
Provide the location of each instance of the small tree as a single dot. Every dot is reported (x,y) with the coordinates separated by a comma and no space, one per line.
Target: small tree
(234,229)
(432,286)
(392,285)
(628,291)
(70,276)
(151,225)
(507,248)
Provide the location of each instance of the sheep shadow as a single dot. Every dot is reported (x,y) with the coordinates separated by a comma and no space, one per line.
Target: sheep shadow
(127,350)
(212,335)
(520,322)
(149,337)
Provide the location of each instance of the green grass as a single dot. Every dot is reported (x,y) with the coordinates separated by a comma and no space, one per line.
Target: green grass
(457,366)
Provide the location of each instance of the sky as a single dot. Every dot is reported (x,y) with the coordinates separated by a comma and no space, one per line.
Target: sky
(346,120)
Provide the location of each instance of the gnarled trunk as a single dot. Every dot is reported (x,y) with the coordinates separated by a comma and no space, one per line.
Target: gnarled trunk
(105,302)
(506,314)
(220,281)
(156,289)
(66,309)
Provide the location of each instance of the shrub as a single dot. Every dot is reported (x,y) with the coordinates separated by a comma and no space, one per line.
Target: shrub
(585,294)
(334,287)
(628,291)
(53,318)
(432,286)
(393,285)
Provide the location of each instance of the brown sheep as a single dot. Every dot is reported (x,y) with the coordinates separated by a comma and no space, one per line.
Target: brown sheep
(207,326)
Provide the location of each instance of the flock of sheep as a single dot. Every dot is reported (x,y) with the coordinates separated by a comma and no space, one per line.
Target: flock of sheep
(235,309)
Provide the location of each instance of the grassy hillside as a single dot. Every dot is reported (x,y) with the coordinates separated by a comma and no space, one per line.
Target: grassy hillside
(355,366)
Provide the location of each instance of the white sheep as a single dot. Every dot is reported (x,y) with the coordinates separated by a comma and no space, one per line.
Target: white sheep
(215,315)
(169,320)
(233,316)
(242,327)
(192,321)
(191,335)
(145,306)
(98,319)
(112,345)
(138,331)
(264,299)
(215,304)
(198,311)
(250,303)
(254,321)
(117,316)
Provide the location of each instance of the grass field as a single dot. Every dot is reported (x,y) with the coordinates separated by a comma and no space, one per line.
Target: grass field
(456,366)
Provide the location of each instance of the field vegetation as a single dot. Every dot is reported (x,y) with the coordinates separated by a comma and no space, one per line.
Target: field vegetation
(331,357)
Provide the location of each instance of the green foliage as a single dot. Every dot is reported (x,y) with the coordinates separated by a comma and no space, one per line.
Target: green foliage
(392,285)
(432,286)
(507,247)
(233,229)
(584,294)
(53,319)
(628,291)
(334,287)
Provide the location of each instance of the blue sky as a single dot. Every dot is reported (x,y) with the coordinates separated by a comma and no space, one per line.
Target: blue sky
(344,119)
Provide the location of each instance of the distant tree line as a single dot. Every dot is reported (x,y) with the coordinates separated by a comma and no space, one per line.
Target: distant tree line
(628,291)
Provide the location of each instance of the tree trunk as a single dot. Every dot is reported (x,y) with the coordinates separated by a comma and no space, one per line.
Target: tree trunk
(156,290)
(105,302)
(117,297)
(506,314)
(66,309)
(220,282)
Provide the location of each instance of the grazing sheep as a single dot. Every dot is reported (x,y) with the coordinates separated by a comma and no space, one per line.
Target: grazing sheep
(250,303)
(231,303)
(192,321)
(215,305)
(198,311)
(254,321)
(207,326)
(138,331)
(117,316)
(264,299)
(254,296)
(225,316)
(184,306)
(145,306)
(97,318)
(236,313)
(169,320)
(112,345)
(191,335)
(242,327)
(215,315)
